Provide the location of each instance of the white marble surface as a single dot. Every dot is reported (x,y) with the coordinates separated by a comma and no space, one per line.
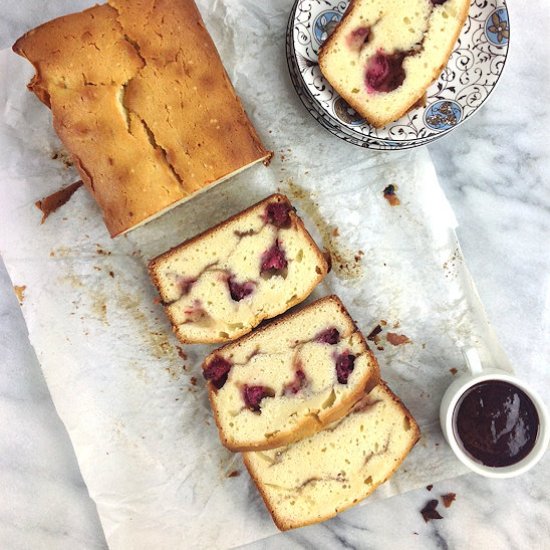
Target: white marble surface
(493,170)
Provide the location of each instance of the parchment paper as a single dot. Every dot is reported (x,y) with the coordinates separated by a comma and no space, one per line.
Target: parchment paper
(134,403)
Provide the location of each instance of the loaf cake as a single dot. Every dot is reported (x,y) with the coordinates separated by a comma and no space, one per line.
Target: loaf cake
(384,54)
(290,378)
(141,100)
(254,266)
(318,477)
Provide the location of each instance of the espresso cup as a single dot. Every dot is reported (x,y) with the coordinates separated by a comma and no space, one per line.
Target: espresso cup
(451,404)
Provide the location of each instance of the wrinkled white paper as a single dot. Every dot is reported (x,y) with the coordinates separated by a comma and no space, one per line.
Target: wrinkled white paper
(136,409)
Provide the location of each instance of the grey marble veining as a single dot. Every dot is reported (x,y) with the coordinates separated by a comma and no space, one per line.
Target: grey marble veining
(495,170)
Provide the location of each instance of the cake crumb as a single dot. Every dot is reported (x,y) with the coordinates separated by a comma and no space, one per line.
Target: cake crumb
(373,335)
(103,312)
(63,156)
(234,473)
(453,371)
(20,293)
(52,202)
(111,274)
(101,251)
(390,196)
(429,511)
(397,339)
(335,232)
(172,372)
(193,380)
(448,499)
(181,353)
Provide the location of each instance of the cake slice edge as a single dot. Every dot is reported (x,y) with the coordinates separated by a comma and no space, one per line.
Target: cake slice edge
(283,523)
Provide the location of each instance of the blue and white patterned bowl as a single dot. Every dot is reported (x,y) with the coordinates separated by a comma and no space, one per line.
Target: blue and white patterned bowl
(473,70)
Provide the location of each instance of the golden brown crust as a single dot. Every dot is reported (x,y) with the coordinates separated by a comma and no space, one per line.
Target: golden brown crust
(351,99)
(284,525)
(153,266)
(142,101)
(405,410)
(310,424)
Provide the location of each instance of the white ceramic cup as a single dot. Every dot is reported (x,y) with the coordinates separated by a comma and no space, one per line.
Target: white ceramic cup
(461,385)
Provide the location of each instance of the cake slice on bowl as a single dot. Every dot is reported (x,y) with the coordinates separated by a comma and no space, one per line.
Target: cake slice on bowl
(384,54)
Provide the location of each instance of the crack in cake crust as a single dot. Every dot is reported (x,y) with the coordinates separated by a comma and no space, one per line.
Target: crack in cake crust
(141,99)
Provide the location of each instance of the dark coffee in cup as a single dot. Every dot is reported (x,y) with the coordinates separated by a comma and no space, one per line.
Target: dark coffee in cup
(496,423)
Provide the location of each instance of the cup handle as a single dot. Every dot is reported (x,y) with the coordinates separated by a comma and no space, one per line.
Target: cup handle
(473,361)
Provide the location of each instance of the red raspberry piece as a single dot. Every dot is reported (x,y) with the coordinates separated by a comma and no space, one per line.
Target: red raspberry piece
(273,259)
(328,336)
(385,72)
(278,214)
(344,366)
(239,291)
(297,384)
(253,396)
(217,371)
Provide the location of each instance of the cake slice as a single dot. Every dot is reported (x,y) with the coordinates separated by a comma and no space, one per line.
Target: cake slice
(290,378)
(254,266)
(384,54)
(318,477)
(141,100)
